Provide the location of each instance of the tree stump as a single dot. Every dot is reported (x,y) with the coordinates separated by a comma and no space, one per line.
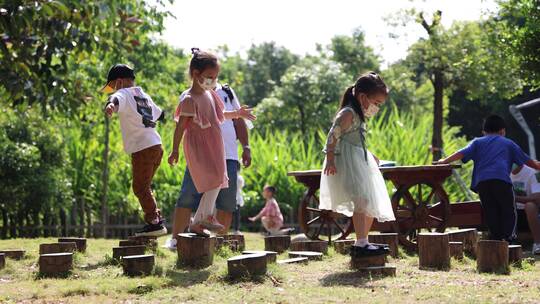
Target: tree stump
(124,243)
(57,248)
(318,246)
(434,250)
(148,241)
(384,271)
(277,243)
(390,239)
(271,256)
(136,265)
(232,244)
(492,256)
(55,263)
(15,254)
(247,265)
(195,251)
(343,246)
(80,242)
(2,260)
(469,238)
(219,241)
(456,250)
(311,255)
(368,261)
(515,253)
(302,260)
(239,238)
(120,252)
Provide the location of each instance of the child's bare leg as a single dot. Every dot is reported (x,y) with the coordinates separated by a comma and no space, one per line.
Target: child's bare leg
(531,210)
(362,224)
(181,220)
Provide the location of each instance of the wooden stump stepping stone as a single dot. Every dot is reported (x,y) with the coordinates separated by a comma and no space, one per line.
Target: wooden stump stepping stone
(343,246)
(311,255)
(247,265)
(390,239)
(148,241)
(195,251)
(124,243)
(136,265)
(80,242)
(302,260)
(271,256)
(239,238)
(456,250)
(318,246)
(120,252)
(15,254)
(492,256)
(387,270)
(469,238)
(368,261)
(57,248)
(434,251)
(232,244)
(2,260)
(219,241)
(55,263)
(277,243)
(515,253)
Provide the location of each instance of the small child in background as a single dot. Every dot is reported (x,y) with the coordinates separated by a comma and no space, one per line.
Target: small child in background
(270,215)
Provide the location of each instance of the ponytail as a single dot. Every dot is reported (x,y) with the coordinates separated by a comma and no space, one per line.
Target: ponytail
(369,83)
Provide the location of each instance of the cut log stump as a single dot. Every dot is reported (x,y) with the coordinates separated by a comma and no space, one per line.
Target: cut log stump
(382,271)
(57,248)
(271,256)
(136,265)
(239,238)
(318,246)
(195,251)
(148,241)
(277,243)
(390,239)
(15,254)
(55,263)
(311,255)
(302,260)
(456,250)
(368,261)
(124,243)
(515,253)
(492,256)
(231,244)
(469,238)
(2,260)
(219,241)
(247,265)
(120,252)
(343,246)
(434,251)
(80,242)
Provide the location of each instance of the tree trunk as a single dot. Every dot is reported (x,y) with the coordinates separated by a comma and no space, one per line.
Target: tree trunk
(105,179)
(438,112)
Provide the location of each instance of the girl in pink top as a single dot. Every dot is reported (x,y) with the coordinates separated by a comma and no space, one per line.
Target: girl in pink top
(198,118)
(270,215)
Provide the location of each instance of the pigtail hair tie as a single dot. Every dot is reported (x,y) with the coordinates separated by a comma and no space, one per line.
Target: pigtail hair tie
(195,51)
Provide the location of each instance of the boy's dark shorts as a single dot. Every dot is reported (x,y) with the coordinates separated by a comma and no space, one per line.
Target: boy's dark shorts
(226,200)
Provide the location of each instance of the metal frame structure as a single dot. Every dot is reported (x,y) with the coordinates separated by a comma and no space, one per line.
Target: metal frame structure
(515,110)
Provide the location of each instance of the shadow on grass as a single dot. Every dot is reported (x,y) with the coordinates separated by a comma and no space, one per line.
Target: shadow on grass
(186,277)
(349,278)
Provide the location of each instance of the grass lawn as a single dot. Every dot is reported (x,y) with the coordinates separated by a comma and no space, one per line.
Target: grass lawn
(95,280)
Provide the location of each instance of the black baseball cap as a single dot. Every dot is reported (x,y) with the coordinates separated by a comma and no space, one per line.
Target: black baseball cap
(118,71)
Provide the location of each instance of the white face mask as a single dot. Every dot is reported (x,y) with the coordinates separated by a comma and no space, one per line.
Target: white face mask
(208,83)
(371,110)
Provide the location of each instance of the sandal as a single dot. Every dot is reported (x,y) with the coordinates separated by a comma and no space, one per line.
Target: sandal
(212,224)
(357,251)
(199,230)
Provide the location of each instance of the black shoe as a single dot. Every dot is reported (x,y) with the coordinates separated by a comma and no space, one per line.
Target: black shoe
(152,230)
(358,252)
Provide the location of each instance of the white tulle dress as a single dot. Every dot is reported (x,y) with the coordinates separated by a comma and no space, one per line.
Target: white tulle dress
(358,185)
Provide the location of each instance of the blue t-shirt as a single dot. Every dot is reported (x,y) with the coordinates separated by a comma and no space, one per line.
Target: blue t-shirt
(493,156)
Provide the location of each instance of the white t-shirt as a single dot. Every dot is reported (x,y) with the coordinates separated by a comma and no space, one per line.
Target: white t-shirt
(525,183)
(227,127)
(138,115)
(239,195)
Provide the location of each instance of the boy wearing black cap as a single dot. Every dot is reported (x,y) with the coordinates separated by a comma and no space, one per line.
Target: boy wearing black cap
(493,156)
(138,116)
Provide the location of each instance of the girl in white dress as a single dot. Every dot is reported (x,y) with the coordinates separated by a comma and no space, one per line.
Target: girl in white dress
(352,183)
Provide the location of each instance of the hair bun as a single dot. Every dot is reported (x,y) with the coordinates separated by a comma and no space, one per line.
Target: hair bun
(195,51)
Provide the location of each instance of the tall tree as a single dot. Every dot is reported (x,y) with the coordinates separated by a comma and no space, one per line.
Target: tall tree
(353,53)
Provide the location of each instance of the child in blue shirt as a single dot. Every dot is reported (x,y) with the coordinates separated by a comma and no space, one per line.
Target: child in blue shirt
(493,156)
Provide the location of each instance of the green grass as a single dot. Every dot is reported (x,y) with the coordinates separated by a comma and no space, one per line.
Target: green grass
(96,280)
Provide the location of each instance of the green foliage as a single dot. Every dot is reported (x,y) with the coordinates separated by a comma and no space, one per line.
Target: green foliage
(353,53)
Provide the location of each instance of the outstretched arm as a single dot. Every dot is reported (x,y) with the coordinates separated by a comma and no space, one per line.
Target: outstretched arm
(112,106)
(450,159)
(243,112)
(533,164)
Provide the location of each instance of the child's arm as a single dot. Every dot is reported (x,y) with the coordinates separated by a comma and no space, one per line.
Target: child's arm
(177,138)
(243,112)
(533,164)
(260,214)
(533,198)
(450,159)
(112,106)
(342,122)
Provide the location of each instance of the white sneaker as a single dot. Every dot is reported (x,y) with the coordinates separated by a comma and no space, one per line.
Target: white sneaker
(536,248)
(170,244)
